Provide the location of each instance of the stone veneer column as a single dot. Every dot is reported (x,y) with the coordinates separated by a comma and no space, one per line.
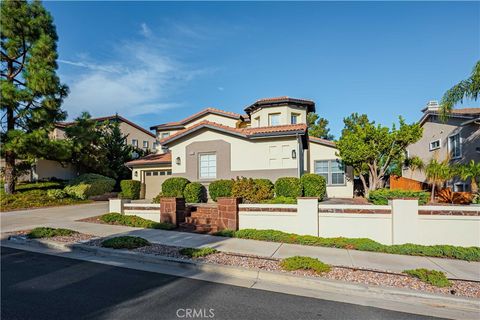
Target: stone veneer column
(172,210)
(228,213)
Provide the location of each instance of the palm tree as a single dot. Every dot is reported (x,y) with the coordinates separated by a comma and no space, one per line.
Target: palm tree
(470,171)
(414,163)
(437,173)
(465,89)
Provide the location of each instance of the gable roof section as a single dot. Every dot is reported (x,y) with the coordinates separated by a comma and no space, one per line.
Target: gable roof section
(164,158)
(248,133)
(465,113)
(101,119)
(181,124)
(281,101)
(324,142)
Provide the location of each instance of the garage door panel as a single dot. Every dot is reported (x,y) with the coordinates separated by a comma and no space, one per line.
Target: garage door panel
(153,183)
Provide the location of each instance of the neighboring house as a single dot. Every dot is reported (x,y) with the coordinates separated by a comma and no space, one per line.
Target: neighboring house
(46,169)
(458,139)
(269,141)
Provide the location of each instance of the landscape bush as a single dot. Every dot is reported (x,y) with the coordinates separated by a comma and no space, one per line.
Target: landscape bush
(304,263)
(362,244)
(174,187)
(195,193)
(288,187)
(90,184)
(433,277)
(252,190)
(45,232)
(125,242)
(134,221)
(381,196)
(265,188)
(313,185)
(130,189)
(220,188)
(56,193)
(197,252)
(281,200)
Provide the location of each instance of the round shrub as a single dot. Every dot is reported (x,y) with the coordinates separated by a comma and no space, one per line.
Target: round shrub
(288,187)
(264,188)
(313,185)
(56,194)
(89,184)
(220,188)
(252,191)
(125,242)
(195,193)
(174,187)
(130,189)
(304,263)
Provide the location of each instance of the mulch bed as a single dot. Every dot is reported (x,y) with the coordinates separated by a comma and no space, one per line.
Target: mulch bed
(369,277)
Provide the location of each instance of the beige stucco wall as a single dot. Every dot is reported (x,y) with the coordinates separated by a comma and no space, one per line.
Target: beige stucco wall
(152,185)
(321,152)
(285,113)
(57,134)
(214,118)
(45,169)
(134,133)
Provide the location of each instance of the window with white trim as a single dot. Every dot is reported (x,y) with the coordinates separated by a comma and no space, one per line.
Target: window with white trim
(274,119)
(454,146)
(164,135)
(135,142)
(208,166)
(332,170)
(434,145)
(145,144)
(294,118)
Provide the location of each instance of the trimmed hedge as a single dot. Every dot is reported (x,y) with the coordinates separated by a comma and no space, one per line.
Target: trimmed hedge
(362,244)
(134,221)
(252,191)
(304,263)
(288,187)
(197,252)
(381,196)
(88,185)
(45,232)
(313,185)
(433,277)
(265,187)
(281,200)
(195,193)
(125,242)
(130,189)
(174,187)
(220,188)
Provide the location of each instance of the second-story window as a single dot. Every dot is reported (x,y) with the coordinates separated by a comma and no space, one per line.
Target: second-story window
(434,145)
(454,146)
(135,142)
(274,119)
(145,144)
(164,135)
(294,118)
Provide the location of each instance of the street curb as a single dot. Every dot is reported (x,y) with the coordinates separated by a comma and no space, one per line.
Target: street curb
(461,304)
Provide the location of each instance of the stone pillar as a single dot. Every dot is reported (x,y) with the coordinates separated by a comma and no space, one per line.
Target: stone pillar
(172,210)
(228,213)
(404,220)
(116,205)
(307,219)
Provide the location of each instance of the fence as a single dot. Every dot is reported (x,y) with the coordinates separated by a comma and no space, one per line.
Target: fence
(402,183)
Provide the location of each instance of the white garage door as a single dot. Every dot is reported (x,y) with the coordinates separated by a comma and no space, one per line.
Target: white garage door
(153,182)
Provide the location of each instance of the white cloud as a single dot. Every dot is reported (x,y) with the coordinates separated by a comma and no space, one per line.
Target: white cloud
(139,80)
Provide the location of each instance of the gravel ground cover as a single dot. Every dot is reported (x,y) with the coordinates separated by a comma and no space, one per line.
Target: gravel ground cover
(76,237)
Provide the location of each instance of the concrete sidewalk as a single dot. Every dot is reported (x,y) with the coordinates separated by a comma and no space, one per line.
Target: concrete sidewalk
(65,217)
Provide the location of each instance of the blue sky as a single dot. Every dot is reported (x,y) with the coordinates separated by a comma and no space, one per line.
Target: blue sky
(156,62)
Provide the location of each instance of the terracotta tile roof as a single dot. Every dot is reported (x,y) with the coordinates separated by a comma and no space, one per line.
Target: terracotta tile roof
(197,115)
(152,159)
(466,111)
(244,132)
(323,141)
(275,101)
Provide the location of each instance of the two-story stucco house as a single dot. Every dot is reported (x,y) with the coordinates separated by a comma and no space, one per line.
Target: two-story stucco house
(457,138)
(269,141)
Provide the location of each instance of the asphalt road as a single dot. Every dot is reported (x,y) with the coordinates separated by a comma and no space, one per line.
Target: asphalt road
(38,286)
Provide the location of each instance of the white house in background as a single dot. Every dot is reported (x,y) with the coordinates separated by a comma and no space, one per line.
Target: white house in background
(269,141)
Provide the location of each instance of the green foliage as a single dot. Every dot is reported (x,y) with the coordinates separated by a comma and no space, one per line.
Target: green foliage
(476,198)
(220,188)
(32,199)
(88,185)
(281,200)
(134,221)
(31,91)
(225,233)
(438,172)
(252,191)
(174,187)
(288,187)
(433,277)
(313,185)
(21,187)
(157,198)
(56,193)
(381,196)
(318,127)
(371,149)
(195,193)
(363,244)
(44,232)
(197,252)
(304,263)
(125,242)
(470,171)
(130,189)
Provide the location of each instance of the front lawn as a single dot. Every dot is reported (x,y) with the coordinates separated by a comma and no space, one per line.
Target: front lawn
(34,195)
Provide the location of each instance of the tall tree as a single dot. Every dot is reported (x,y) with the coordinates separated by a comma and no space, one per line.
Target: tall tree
(372,149)
(465,89)
(31,92)
(470,171)
(318,127)
(437,173)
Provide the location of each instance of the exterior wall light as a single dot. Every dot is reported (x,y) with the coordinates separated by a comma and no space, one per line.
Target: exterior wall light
(178,161)
(136,173)
(294,154)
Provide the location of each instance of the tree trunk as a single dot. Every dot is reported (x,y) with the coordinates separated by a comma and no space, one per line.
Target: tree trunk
(365,188)
(474,185)
(432,196)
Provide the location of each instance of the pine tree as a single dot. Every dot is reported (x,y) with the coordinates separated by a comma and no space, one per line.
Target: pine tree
(31,92)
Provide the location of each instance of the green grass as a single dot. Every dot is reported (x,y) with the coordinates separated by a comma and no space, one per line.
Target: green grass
(304,263)
(134,221)
(34,195)
(44,232)
(197,252)
(225,233)
(362,244)
(433,277)
(125,242)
